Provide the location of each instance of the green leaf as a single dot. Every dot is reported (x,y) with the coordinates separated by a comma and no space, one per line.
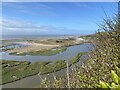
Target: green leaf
(118,70)
(113,85)
(115,77)
(103,84)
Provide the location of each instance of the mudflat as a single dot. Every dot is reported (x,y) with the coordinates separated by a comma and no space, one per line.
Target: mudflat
(42,45)
(32,47)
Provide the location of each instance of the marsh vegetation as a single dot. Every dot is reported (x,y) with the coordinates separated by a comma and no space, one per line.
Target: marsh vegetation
(16,70)
(48,52)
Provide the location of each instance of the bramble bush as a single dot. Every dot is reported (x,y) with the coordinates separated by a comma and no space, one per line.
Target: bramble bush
(115,85)
(102,61)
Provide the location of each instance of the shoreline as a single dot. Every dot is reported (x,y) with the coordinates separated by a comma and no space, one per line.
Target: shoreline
(39,44)
(71,62)
(31,47)
(33,75)
(44,45)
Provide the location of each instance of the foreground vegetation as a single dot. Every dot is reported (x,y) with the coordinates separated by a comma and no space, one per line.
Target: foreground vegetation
(115,75)
(102,60)
(42,52)
(16,70)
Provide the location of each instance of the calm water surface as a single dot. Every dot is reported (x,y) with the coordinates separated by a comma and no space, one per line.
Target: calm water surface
(67,55)
(34,81)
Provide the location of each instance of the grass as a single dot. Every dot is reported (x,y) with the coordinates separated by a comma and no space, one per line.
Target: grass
(76,58)
(16,70)
(43,52)
(88,37)
(62,42)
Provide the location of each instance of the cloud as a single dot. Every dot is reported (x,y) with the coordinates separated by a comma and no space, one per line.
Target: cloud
(9,0)
(80,5)
(13,5)
(36,8)
(39,5)
(35,5)
(11,26)
(17,24)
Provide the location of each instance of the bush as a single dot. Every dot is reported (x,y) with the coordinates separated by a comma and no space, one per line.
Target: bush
(116,81)
(101,61)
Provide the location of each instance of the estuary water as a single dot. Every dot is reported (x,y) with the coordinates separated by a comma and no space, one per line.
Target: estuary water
(66,55)
(34,81)
(33,37)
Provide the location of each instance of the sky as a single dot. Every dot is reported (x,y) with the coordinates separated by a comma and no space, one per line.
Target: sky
(54,18)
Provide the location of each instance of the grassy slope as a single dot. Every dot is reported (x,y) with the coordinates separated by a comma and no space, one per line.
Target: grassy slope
(101,61)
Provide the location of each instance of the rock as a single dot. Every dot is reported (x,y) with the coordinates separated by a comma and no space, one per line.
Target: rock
(14,77)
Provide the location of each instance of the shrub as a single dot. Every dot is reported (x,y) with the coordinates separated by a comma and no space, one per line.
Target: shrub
(101,61)
(116,81)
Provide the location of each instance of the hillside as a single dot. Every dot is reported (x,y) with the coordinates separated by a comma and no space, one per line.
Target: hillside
(102,60)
